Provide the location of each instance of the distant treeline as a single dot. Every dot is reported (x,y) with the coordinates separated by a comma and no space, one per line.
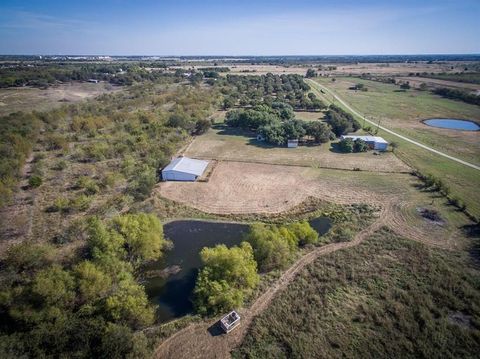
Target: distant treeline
(43,75)
(457,95)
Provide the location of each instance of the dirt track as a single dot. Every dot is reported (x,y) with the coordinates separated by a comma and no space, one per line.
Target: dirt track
(196,341)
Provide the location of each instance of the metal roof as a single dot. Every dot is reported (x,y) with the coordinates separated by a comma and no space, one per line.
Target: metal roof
(375,139)
(187,165)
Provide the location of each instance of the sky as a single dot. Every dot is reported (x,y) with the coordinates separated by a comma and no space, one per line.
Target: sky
(216,27)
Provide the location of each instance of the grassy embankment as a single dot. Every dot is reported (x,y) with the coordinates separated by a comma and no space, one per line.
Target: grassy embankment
(386,297)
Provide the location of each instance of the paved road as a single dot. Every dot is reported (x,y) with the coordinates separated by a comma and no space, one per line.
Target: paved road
(317,86)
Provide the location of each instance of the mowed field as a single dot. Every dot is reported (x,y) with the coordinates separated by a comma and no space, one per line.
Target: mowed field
(228,144)
(244,188)
(29,98)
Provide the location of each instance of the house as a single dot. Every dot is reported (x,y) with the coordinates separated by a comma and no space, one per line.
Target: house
(374,142)
(184,169)
(230,321)
(292,143)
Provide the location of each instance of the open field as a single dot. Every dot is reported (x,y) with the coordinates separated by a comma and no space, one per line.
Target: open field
(416,81)
(403,117)
(241,188)
(29,98)
(403,112)
(387,297)
(230,144)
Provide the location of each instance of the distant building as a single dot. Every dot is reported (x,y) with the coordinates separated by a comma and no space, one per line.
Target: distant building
(184,169)
(93,81)
(374,142)
(292,143)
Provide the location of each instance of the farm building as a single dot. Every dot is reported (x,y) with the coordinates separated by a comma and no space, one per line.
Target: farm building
(292,143)
(230,321)
(184,169)
(375,143)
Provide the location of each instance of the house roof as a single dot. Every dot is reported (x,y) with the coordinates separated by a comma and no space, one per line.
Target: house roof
(375,139)
(187,165)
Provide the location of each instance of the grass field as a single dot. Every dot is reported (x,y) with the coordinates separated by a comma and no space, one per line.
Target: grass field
(29,98)
(242,188)
(400,112)
(225,143)
(388,297)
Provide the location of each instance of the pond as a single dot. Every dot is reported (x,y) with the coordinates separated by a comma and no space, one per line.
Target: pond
(453,124)
(173,277)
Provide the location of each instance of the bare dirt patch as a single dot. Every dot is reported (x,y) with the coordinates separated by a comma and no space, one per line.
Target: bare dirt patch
(29,98)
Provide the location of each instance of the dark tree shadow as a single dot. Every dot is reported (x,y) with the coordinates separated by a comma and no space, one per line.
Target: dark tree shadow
(215,329)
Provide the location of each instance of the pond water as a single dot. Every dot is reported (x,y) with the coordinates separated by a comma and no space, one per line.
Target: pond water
(173,277)
(453,124)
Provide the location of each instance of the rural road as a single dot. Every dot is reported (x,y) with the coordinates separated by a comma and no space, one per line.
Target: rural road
(317,86)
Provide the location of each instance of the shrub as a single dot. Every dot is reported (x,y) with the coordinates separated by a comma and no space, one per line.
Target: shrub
(81,203)
(60,204)
(60,166)
(143,183)
(360,145)
(35,181)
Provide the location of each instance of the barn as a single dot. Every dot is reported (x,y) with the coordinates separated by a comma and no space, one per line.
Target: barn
(375,142)
(184,169)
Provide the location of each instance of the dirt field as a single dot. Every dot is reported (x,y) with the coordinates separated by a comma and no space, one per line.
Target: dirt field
(224,143)
(29,98)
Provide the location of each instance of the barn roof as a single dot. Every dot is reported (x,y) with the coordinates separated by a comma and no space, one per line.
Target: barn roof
(375,139)
(187,165)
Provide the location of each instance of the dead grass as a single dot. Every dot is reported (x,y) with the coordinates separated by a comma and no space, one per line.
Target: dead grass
(227,144)
(29,98)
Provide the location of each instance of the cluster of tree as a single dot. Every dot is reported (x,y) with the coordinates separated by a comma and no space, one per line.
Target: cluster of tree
(92,307)
(227,278)
(311,73)
(358,87)
(42,75)
(267,89)
(457,95)
(274,246)
(215,68)
(229,275)
(347,145)
(277,124)
(340,121)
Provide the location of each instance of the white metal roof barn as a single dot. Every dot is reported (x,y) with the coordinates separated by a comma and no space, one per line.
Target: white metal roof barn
(184,169)
(377,143)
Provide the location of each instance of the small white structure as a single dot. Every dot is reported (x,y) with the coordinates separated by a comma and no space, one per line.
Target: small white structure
(93,81)
(375,143)
(292,143)
(230,321)
(260,137)
(184,169)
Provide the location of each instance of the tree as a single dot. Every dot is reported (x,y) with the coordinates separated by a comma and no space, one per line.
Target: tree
(319,131)
(303,233)
(360,145)
(394,146)
(229,276)
(55,286)
(143,235)
(93,283)
(202,126)
(405,86)
(273,248)
(130,305)
(346,145)
(311,73)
